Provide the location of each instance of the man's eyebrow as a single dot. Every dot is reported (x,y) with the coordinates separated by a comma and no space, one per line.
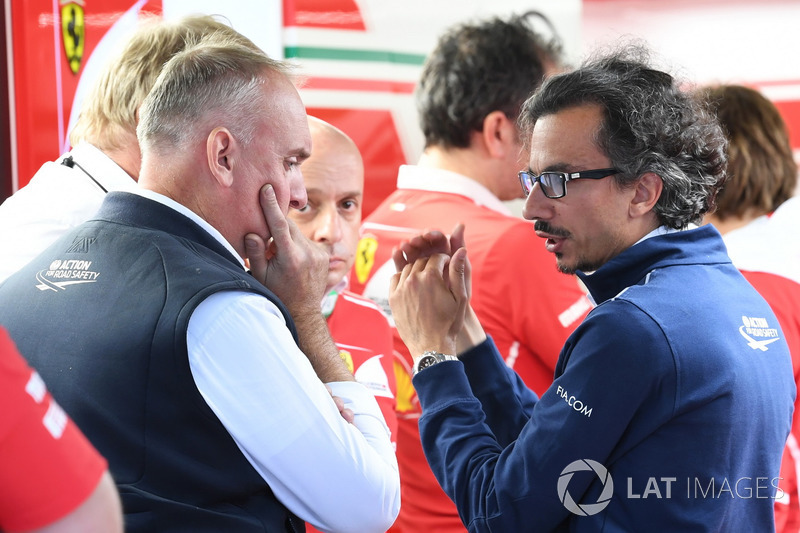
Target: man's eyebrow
(300,153)
(559,167)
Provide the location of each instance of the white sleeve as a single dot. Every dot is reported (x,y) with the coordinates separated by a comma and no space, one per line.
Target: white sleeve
(337,476)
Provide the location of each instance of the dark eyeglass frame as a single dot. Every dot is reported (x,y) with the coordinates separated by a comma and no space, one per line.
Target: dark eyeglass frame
(528,180)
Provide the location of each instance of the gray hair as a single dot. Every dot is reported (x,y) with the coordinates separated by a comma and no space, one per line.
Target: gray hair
(108,114)
(649,125)
(216,82)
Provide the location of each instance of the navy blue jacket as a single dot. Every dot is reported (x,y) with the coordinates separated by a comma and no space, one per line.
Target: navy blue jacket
(669,410)
(102,315)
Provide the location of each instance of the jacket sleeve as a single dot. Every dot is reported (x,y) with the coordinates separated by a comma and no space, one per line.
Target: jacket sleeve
(505,399)
(607,379)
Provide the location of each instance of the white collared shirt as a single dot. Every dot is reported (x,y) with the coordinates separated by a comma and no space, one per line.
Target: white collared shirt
(438,180)
(664,230)
(56,199)
(769,243)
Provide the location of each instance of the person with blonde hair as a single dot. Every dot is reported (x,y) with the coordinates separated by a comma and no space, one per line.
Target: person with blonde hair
(758,215)
(105,155)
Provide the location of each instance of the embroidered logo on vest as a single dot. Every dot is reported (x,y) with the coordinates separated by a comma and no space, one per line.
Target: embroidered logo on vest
(63,273)
(758,328)
(80,245)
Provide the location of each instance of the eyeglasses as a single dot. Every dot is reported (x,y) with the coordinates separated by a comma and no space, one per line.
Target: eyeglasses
(554,184)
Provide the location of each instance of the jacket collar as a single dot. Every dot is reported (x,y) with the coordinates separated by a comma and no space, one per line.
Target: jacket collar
(439,180)
(702,245)
(137,210)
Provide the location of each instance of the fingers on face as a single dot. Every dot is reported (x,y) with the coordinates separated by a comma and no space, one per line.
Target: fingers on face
(277,224)
(255,248)
(254,245)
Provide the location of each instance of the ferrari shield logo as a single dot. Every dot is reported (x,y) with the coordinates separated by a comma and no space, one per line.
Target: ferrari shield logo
(72,32)
(365,257)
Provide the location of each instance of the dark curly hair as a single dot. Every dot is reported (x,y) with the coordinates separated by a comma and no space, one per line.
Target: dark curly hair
(478,68)
(650,125)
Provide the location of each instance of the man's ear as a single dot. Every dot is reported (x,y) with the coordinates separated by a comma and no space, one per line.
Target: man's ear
(500,135)
(221,148)
(646,193)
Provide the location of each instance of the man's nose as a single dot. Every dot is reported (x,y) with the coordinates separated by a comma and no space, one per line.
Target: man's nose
(330,227)
(298,197)
(537,205)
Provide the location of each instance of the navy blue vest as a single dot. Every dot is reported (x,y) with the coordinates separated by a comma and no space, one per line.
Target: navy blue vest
(102,315)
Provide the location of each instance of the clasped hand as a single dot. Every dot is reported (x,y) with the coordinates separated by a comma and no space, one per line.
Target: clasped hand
(429,294)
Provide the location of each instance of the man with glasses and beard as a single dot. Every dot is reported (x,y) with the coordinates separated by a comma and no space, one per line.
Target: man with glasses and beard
(672,400)
(468,98)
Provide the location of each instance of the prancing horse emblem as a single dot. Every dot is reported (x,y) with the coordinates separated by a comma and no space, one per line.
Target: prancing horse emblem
(73,32)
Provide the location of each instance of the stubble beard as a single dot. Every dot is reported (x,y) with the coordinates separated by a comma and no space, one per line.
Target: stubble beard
(581,264)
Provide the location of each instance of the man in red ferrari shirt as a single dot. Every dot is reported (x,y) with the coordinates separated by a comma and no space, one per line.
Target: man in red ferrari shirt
(53,478)
(334,180)
(469,96)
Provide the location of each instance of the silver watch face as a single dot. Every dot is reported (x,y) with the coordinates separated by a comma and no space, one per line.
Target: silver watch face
(425,361)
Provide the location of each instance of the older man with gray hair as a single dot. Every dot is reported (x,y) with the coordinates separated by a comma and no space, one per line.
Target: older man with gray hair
(205,385)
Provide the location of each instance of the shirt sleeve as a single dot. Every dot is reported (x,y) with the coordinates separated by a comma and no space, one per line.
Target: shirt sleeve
(47,467)
(583,415)
(334,475)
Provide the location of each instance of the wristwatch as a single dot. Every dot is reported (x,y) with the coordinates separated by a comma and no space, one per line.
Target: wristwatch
(430,358)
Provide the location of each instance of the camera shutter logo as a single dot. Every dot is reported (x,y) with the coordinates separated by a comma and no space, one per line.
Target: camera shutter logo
(586,509)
